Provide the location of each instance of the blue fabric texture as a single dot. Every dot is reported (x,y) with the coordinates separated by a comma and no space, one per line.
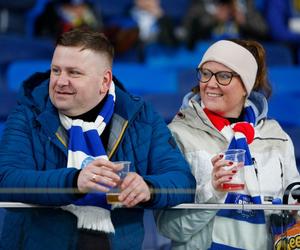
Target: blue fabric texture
(88,142)
(32,156)
(278,14)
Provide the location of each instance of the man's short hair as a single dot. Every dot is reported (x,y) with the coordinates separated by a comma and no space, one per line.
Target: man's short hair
(87,39)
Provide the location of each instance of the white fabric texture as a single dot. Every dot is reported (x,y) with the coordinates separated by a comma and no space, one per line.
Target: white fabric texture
(90,217)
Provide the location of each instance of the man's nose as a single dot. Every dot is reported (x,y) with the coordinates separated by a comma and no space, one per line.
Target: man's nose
(62,79)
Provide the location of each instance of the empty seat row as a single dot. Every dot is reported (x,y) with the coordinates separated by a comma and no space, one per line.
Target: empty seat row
(147,80)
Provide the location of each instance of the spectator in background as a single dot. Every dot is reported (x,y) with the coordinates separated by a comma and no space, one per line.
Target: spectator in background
(153,24)
(284,20)
(223,19)
(13,16)
(63,15)
(283,17)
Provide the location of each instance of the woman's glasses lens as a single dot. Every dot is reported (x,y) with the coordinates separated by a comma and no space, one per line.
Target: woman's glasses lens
(223,77)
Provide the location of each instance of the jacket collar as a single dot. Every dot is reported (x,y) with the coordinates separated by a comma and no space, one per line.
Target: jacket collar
(35,95)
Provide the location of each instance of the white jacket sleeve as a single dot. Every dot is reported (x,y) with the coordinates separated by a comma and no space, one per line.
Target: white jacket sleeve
(180,225)
(290,171)
(200,162)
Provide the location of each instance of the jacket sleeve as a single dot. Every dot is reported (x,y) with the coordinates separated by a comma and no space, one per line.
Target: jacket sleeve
(180,225)
(291,173)
(168,172)
(25,174)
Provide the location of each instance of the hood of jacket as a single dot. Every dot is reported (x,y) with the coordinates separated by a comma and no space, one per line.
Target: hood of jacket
(256,100)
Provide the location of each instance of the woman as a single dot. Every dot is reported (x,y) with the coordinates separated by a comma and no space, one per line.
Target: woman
(229,110)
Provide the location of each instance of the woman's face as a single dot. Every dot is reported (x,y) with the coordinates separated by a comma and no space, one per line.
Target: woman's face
(226,101)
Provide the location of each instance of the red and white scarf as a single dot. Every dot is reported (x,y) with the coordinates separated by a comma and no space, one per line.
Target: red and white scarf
(240,229)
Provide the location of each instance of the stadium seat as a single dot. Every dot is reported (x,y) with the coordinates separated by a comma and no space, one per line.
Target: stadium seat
(14,47)
(143,79)
(166,104)
(159,55)
(111,9)
(176,9)
(284,79)
(186,80)
(20,70)
(162,56)
(278,54)
(285,99)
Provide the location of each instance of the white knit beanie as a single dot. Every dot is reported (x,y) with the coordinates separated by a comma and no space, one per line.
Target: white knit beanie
(235,57)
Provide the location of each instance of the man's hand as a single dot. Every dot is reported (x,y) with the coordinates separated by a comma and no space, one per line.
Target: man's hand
(98,175)
(134,190)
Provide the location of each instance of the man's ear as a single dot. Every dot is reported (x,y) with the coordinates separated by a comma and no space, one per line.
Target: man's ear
(107,79)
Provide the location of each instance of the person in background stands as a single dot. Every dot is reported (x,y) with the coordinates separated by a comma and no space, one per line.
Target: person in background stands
(59,147)
(154,25)
(63,15)
(223,19)
(283,17)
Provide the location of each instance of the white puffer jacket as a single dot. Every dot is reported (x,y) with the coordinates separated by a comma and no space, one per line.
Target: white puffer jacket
(273,153)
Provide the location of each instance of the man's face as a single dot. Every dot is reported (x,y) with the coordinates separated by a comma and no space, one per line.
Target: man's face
(79,79)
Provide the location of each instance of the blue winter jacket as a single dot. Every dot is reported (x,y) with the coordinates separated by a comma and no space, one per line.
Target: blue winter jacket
(33,160)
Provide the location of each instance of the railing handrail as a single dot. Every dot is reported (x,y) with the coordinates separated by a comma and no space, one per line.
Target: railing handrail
(209,206)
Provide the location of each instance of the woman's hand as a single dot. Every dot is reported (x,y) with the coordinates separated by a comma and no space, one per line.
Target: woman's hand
(98,175)
(219,174)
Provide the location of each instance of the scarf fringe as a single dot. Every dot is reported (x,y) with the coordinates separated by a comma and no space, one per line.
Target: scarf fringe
(93,218)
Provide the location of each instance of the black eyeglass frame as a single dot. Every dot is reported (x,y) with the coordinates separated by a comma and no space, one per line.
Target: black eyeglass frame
(232,74)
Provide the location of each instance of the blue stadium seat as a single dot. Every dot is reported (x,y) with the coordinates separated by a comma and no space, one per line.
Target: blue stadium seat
(166,104)
(20,70)
(111,9)
(285,100)
(278,54)
(176,9)
(186,80)
(161,55)
(284,79)
(143,79)
(14,47)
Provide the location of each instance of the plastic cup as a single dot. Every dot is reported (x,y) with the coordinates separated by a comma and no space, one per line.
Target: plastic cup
(237,156)
(113,194)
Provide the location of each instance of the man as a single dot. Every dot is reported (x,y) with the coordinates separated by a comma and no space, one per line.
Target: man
(59,147)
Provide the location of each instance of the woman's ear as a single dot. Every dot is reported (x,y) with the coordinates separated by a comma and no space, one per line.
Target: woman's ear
(107,79)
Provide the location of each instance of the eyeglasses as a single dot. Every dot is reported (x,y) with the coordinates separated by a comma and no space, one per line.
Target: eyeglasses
(223,77)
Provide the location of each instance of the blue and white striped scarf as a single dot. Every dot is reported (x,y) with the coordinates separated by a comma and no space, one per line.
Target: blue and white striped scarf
(240,229)
(84,146)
